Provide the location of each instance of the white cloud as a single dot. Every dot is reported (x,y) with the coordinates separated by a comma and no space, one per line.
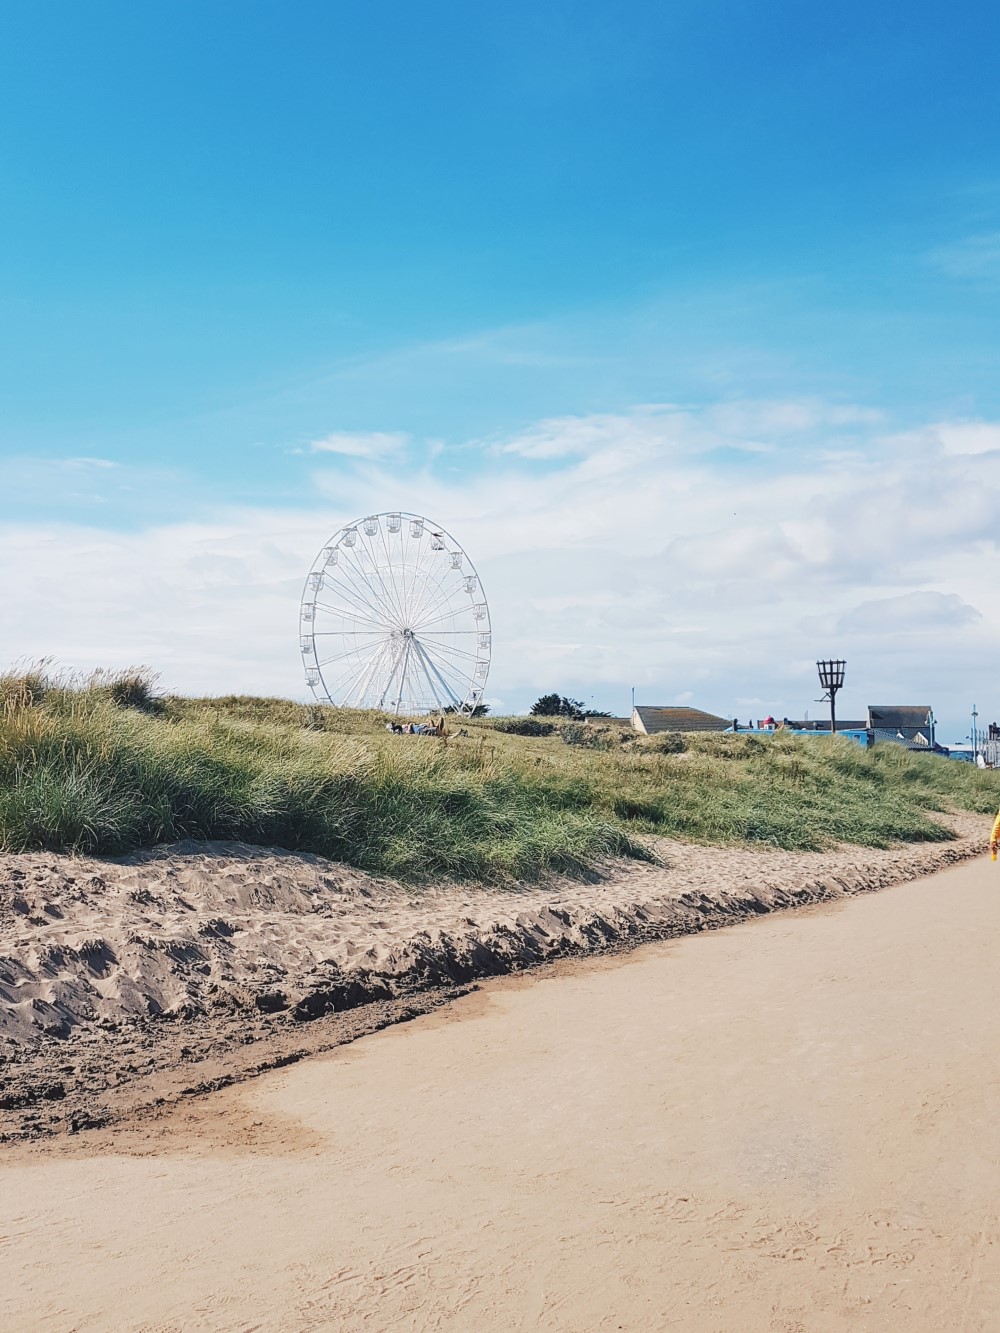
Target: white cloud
(658,429)
(361,444)
(955,438)
(969,437)
(653,554)
(909,613)
(212,606)
(566,437)
(779,418)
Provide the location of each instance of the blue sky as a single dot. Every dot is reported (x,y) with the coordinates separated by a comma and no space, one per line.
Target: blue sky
(744,254)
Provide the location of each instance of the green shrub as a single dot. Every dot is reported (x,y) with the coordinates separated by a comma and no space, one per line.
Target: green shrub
(594,737)
(666,742)
(523,726)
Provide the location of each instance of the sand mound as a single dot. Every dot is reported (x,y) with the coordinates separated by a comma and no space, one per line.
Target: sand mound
(197,939)
(196,927)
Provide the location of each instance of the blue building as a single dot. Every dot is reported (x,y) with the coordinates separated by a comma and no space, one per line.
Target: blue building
(910,725)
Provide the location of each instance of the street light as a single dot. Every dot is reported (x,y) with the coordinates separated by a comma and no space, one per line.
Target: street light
(975,735)
(831,677)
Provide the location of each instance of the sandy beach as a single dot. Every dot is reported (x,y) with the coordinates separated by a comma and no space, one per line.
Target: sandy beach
(127,985)
(791,1126)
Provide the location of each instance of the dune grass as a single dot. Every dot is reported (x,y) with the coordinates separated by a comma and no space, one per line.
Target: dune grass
(106,766)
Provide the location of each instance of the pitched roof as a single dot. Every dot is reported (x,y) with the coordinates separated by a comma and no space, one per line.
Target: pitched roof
(899,717)
(653,720)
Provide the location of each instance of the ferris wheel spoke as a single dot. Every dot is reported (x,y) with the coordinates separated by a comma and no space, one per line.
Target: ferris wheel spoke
(438,591)
(363,568)
(397,661)
(365,593)
(407,691)
(431,589)
(390,567)
(356,598)
(455,671)
(373,557)
(433,689)
(448,615)
(436,646)
(363,651)
(409,585)
(448,620)
(404,565)
(395,569)
(352,671)
(447,589)
(449,602)
(461,672)
(343,576)
(462,666)
(450,633)
(345,583)
(352,616)
(422,573)
(432,668)
(370,675)
(442,696)
(341,684)
(460,680)
(440,600)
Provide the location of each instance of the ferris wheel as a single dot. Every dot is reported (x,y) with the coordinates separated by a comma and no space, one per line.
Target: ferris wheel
(393,617)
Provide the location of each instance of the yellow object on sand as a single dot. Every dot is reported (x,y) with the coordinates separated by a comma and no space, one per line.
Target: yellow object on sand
(995,837)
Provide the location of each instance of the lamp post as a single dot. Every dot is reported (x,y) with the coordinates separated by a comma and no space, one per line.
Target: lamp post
(831,677)
(975,735)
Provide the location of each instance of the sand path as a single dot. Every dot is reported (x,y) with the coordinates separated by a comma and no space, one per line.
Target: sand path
(792,1125)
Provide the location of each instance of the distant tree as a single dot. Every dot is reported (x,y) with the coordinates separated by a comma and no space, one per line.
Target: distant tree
(480,710)
(559,705)
(548,705)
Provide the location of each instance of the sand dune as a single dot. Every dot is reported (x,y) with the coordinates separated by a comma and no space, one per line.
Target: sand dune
(112,972)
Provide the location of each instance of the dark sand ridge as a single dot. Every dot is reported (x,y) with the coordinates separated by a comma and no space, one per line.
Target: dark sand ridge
(792,1126)
(129,984)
